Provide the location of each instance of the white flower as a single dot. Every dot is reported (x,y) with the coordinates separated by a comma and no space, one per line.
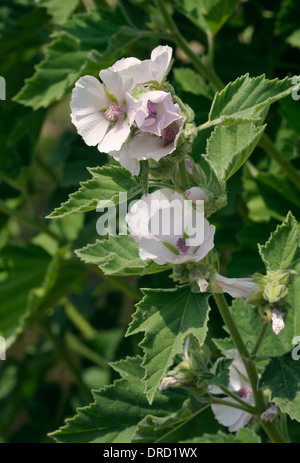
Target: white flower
(168,243)
(157,111)
(270,414)
(102,117)
(234,418)
(195,194)
(168,381)
(143,145)
(142,72)
(236,287)
(277,321)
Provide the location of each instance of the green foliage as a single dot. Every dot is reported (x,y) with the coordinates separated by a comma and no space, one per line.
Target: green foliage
(167,317)
(243,100)
(115,255)
(106,184)
(84,39)
(245,436)
(209,15)
(117,410)
(61,11)
(279,251)
(229,147)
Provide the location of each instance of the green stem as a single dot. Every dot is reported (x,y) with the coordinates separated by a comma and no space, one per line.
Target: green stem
(180,41)
(250,367)
(79,321)
(184,175)
(120,283)
(23,218)
(250,409)
(259,339)
(231,404)
(62,353)
(269,147)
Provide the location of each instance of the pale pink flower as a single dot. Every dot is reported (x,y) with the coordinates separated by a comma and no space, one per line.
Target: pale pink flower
(103,118)
(143,72)
(236,287)
(167,244)
(195,193)
(234,418)
(157,111)
(277,318)
(143,145)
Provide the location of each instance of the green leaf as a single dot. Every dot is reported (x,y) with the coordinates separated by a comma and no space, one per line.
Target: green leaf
(21,271)
(106,184)
(60,11)
(279,251)
(294,39)
(246,319)
(117,410)
(282,377)
(243,436)
(229,147)
(83,40)
(209,15)
(119,254)
(192,82)
(242,100)
(167,317)
(220,377)
(152,429)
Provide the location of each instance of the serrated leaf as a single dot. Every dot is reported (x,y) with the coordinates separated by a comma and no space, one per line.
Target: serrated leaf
(282,377)
(242,101)
(118,254)
(220,377)
(229,147)
(191,82)
(167,317)
(279,251)
(152,429)
(83,40)
(60,11)
(118,409)
(243,436)
(106,184)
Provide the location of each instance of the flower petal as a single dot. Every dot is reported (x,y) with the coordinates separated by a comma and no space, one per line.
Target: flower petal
(115,137)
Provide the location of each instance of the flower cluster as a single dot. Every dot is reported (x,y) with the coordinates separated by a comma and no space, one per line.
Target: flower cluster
(127,115)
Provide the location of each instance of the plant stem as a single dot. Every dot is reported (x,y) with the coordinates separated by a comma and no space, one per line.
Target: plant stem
(250,409)
(250,367)
(79,321)
(227,403)
(269,147)
(180,41)
(184,175)
(61,352)
(120,283)
(18,215)
(259,339)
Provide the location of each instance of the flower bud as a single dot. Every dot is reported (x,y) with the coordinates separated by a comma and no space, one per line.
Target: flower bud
(277,318)
(269,414)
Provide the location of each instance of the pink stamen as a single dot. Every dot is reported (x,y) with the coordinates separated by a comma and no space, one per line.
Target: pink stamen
(181,246)
(113,112)
(170,132)
(152,111)
(244,392)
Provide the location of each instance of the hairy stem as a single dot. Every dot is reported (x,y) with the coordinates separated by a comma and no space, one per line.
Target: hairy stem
(259,339)
(184,175)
